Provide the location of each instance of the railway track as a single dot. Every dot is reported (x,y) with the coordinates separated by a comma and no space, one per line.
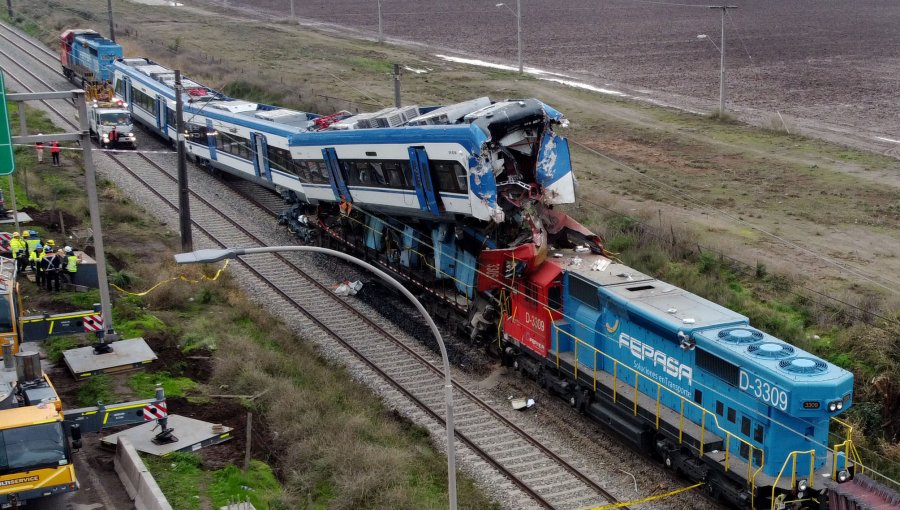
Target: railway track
(549,480)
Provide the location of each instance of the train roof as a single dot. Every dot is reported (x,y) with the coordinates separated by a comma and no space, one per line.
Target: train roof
(655,301)
(292,120)
(166,77)
(780,359)
(91,38)
(656,305)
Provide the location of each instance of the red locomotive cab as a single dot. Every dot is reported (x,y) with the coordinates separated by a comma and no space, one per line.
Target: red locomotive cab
(535,303)
(65,46)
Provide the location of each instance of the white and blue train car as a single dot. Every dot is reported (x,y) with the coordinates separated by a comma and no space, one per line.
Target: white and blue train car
(247,139)
(149,90)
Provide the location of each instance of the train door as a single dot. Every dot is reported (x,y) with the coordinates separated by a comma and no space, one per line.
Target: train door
(421,171)
(127,94)
(161,113)
(260,149)
(535,304)
(338,184)
(211,139)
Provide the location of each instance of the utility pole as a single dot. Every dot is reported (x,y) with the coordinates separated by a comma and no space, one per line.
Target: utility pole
(292,10)
(519,31)
(397,85)
(184,207)
(380,24)
(724,8)
(90,178)
(9,8)
(109,16)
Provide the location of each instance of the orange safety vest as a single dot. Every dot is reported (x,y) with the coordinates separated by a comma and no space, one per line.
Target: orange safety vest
(54,147)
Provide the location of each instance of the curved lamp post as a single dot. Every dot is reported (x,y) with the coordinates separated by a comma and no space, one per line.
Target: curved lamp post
(215,255)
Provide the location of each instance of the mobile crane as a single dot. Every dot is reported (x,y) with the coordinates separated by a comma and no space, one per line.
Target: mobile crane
(37,437)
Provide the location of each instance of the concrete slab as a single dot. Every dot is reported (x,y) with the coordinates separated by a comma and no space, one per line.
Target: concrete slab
(192,435)
(129,354)
(23,218)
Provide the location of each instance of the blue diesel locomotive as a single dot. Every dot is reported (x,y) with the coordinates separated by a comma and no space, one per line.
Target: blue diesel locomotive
(458,200)
(87,57)
(682,377)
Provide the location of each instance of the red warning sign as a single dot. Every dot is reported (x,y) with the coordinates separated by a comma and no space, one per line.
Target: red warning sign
(93,323)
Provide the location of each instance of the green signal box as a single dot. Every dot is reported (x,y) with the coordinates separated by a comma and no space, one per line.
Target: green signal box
(7,157)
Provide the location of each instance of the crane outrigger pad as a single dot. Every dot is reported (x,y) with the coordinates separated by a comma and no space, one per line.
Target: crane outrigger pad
(126,355)
(192,435)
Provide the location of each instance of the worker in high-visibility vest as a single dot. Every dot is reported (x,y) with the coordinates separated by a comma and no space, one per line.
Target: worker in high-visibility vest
(17,249)
(32,242)
(71,263)
(39,274)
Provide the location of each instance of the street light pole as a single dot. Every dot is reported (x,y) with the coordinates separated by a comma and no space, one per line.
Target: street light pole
(215,255)
(380,24)
(518,14)
(722,57)
(519,31)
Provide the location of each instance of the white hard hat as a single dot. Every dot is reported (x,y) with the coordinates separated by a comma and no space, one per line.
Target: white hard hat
(68,249)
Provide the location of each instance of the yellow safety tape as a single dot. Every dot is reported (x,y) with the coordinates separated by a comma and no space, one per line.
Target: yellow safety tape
(644,500)
(174,278)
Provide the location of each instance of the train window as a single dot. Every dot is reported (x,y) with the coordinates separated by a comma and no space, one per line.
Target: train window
(197,133)
(698,397)
(584,291)
(745,426)
(120,88)
(715,365)
(144,101)
(393,174)
(462,178)
(732,416)
(745,450)
(377,170)
(720,408)
(170,117)
(531,293)
(554,297)
(450,175)
(234,145)
(407,174)
(758,434)
(318,174)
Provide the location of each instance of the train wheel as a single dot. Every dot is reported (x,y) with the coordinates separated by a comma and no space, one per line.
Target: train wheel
(542,379)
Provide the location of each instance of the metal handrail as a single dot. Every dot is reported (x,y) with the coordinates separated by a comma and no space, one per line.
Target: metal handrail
(751,475)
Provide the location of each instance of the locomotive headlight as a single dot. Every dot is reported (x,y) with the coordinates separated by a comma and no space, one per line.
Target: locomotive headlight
(832,407)
(843,475)
(802,485)
(840,405)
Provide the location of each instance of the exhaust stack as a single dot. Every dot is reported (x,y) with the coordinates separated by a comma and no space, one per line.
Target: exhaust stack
(8,362)
(28,367)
